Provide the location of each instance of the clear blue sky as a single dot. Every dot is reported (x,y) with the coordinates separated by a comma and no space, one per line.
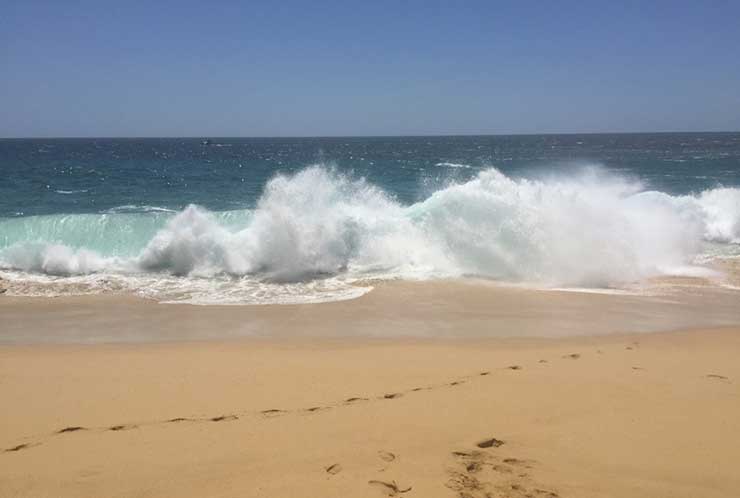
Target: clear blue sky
(293,68)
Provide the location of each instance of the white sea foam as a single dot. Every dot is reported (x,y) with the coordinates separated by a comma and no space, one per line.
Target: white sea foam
(320,227)
(70,192)
(218,290)
(453,165)
(139,209)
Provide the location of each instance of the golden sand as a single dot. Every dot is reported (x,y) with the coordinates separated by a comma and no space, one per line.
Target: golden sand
(358,413)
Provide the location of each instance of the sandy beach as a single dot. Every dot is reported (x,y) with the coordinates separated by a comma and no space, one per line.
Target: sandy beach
(450,396)
(375,249)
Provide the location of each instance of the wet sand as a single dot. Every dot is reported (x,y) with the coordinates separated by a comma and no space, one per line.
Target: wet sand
(412,390)
(437,309)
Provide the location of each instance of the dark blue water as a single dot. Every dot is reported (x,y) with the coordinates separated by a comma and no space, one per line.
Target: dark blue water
(51,176)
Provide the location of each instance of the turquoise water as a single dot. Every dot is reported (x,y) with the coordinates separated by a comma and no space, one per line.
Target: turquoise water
(245,220)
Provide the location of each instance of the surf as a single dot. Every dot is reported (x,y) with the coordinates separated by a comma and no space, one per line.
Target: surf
(589,229)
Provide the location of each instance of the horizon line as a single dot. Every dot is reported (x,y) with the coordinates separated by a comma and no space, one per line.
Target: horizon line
(133,137)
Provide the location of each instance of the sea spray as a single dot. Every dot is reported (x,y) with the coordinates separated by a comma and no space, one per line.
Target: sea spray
(585,229)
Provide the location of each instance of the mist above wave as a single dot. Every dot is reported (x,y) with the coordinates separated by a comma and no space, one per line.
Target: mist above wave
(587,229)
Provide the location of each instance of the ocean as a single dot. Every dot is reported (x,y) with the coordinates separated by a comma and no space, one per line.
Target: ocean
(298,220)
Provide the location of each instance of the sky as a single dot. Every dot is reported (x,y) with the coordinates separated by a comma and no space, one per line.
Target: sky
(323,68)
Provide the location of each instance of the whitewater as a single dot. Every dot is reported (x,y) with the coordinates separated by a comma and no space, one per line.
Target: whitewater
(322,235)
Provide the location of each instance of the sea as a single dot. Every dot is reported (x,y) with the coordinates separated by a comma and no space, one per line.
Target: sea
(247,221)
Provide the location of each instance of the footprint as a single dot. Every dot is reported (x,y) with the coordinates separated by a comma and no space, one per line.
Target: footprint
(225,418)
(466,485)
(484,373)
(121,427)
(502,469)
(271,412)
(468,482)
(637,368)
(490,443)
(457,382)
(353,400)
(542,361)
(70,429)
(386,456)
(572,356)
(481,474)
(514,367)
(392,396)
(178,419)
(18,448)
(717,376)
(517,462)
(333,469)
(389,488)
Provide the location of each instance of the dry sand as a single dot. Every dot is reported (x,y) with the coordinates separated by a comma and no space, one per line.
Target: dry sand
(356,413)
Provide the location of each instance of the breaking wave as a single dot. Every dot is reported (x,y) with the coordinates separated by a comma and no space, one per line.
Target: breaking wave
(590,229)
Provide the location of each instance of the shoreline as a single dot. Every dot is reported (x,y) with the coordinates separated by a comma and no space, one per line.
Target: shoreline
(395,309)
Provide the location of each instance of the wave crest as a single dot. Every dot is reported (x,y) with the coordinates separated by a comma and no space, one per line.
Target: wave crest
(590,229)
